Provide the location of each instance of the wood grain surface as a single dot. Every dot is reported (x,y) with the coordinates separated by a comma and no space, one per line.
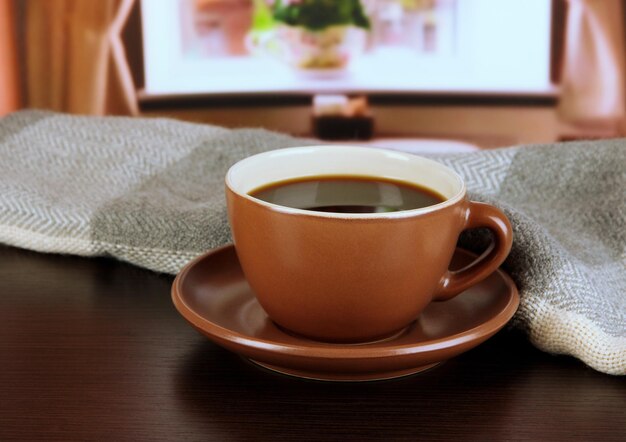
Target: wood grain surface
(92,349)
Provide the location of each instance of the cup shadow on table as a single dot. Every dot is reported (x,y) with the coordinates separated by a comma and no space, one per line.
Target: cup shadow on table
(218,388)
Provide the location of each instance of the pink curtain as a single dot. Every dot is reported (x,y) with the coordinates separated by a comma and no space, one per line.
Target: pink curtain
(9,79)
(75,59)
(594,76)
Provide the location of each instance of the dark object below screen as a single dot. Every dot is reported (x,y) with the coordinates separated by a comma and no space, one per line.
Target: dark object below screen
(341,128)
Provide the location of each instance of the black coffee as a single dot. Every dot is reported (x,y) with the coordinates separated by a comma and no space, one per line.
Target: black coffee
(347,194)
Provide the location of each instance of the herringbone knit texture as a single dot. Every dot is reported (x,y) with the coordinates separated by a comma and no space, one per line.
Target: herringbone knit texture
(151,192)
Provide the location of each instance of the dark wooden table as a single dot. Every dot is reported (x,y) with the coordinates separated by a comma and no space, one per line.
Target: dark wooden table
(92,349)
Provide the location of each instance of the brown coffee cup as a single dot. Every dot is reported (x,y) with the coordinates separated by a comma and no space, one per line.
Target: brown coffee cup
(354,277)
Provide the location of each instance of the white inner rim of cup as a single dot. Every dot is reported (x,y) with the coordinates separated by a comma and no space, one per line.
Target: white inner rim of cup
(313,161)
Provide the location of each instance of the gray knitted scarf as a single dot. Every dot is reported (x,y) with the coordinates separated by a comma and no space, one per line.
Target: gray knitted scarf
(150,192)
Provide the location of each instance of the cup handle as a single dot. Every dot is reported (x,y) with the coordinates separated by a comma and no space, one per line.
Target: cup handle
(479,215)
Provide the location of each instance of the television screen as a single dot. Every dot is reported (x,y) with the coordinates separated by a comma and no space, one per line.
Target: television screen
(352,46)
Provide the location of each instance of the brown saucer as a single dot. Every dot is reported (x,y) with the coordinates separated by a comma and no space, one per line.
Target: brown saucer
(213,295)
